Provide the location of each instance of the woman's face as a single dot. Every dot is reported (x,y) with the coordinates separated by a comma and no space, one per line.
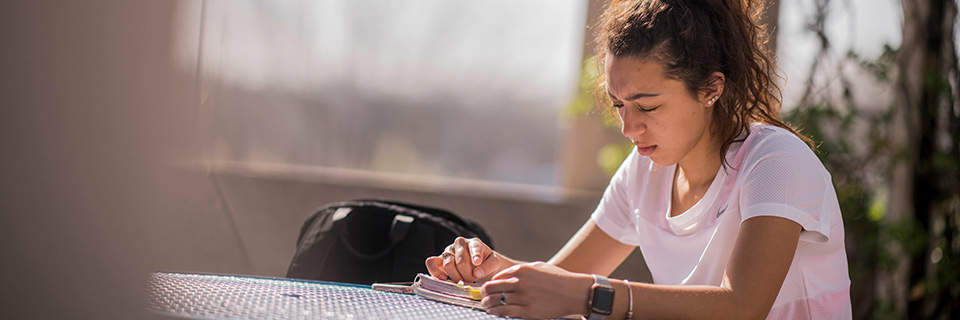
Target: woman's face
(657,113)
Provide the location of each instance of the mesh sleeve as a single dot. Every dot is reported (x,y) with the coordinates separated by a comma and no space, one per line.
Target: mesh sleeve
(783,178)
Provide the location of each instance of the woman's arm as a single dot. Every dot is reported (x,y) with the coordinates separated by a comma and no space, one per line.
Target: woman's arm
(591,250)
(761,258)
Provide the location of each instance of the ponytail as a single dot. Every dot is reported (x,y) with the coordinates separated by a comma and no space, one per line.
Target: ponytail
(694,39)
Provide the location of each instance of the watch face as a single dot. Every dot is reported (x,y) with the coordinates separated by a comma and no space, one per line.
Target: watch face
(602,300)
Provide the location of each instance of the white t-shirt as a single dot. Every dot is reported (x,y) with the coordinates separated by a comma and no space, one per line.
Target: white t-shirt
(771,173)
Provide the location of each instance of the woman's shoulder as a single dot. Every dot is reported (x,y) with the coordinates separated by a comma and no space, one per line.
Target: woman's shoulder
(769,131)
(766,138)
(780,147)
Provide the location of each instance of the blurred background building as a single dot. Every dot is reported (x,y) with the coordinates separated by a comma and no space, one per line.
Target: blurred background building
(140,136)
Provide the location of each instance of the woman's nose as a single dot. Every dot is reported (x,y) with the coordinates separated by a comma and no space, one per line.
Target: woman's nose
(631,124)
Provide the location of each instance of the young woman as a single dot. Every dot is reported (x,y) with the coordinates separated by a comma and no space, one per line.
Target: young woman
(734,214)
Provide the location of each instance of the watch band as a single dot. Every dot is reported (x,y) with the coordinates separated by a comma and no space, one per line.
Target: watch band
(603,290)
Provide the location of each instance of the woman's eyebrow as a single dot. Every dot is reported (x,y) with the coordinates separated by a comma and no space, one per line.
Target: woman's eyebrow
(635,96)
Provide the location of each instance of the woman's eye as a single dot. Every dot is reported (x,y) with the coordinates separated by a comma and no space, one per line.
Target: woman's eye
(617,105)
(647,109)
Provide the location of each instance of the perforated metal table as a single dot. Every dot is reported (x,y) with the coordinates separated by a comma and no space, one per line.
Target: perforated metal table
(207,296)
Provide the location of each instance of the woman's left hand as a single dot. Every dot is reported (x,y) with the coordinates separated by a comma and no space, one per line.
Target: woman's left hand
(536,290)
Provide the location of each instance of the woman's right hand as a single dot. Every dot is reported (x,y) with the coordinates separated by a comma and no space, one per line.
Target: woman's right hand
(466,259)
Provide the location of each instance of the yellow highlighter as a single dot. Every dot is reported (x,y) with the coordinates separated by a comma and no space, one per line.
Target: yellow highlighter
(474,293)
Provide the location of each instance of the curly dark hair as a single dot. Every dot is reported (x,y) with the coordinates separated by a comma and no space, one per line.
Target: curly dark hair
(693,39)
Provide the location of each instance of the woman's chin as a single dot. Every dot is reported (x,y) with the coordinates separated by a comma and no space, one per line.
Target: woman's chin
(661,162)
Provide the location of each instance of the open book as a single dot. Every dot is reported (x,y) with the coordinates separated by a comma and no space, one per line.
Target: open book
(443,291)
(447,292)
(439,290)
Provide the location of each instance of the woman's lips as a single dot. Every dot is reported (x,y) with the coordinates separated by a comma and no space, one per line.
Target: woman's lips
(645,150)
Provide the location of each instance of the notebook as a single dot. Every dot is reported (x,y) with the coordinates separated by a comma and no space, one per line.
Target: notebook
(464,295)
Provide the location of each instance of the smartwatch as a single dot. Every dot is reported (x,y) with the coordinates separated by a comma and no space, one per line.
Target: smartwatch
(601,298)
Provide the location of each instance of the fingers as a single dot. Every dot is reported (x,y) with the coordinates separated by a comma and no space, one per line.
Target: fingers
(435,267)
(495,286)
(510,272)
(476,251)
(509,311)
(450,267)
(489,265)
(465,260)
(484,260)
(500,299)
(461,255)
(534,290)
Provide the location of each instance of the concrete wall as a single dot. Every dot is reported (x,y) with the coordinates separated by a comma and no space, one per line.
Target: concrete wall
(100,182)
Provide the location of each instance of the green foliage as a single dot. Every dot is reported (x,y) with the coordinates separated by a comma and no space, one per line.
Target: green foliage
(878,208)
(585,102)
(862,184)
(880,67)
(862,201)
(612,154)
(945,255)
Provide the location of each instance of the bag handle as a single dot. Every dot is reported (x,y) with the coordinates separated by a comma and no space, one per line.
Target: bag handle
(398,231)
(439,216)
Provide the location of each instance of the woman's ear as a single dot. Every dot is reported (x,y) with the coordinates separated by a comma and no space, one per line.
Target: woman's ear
(711,94)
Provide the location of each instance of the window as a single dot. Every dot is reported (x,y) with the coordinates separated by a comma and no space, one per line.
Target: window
(441,89)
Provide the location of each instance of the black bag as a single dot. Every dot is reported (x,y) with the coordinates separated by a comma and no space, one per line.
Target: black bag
(367,241)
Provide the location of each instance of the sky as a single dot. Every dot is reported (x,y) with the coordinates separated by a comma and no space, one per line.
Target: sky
(863,26)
